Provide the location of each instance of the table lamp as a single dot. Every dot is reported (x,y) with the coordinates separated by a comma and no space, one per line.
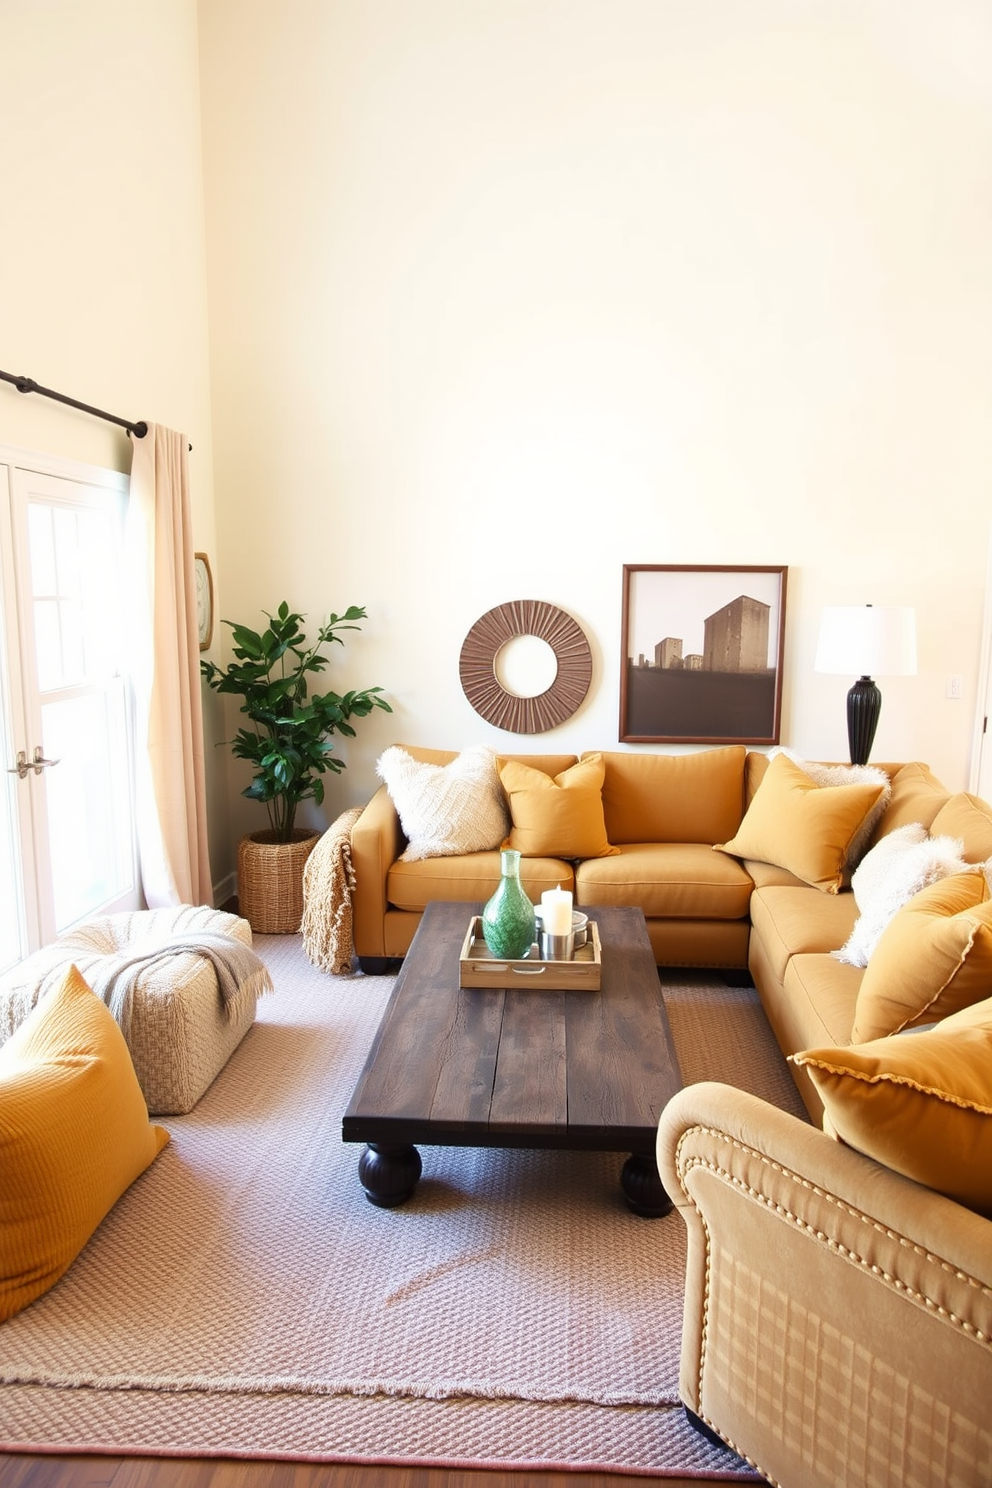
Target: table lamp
(865,639)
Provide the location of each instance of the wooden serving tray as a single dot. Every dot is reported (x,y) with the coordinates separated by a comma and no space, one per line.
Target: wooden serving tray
(478,967)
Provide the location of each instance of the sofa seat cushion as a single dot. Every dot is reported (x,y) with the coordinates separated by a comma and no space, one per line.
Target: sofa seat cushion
(674,797)
(792,921)
(767,875)
(668,881)
(822,994)
(471,877)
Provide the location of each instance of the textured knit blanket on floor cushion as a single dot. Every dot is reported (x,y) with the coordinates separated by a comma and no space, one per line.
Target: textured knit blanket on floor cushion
(182,982)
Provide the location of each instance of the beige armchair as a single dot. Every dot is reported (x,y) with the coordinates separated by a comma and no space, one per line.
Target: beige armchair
(838,1318)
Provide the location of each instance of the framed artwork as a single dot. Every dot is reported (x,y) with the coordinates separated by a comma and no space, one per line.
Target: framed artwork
(204,599)
(701,655)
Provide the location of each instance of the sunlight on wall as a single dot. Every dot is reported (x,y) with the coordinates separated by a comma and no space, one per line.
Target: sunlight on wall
(501,301)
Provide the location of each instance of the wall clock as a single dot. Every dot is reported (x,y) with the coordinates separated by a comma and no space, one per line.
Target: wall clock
(494,630)
(204,598)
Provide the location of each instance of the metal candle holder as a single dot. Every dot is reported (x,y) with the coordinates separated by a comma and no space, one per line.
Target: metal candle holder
(557,947)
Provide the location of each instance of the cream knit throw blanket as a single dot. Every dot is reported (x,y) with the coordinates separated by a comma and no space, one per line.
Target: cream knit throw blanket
(240,973)
(328,881)
(114,977)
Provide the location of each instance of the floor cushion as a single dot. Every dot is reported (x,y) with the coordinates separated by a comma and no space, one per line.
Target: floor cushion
(181,1033)
(74,1134)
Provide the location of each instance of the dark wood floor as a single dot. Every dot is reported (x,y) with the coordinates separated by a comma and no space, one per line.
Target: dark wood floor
(18,1471)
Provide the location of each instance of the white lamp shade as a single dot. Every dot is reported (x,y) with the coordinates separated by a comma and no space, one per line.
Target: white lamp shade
(867,641)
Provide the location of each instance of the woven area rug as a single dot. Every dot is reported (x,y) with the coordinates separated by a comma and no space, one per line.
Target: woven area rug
(244,1299)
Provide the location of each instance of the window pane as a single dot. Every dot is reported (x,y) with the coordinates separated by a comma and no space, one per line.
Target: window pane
(48,644)
(72,638)
(42,549)
(75,580)
(99,594)
(61,541)
(88,801)
(66,531)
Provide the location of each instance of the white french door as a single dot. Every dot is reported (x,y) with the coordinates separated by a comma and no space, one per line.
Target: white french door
(67,777)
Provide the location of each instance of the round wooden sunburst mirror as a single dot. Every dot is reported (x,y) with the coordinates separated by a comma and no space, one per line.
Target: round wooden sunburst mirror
(494,630)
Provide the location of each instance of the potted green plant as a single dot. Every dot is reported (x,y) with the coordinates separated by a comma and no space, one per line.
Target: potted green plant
(289,746)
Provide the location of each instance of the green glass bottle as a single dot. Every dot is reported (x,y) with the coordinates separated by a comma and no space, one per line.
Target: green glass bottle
(508,918)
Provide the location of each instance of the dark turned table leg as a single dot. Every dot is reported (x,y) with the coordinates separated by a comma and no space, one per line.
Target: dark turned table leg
(389,1174)
(642,1187)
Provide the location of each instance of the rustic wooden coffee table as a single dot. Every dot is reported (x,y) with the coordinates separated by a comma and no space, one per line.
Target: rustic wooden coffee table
(494,1067)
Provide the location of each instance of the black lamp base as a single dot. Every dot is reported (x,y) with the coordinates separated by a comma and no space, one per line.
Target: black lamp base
(864,704)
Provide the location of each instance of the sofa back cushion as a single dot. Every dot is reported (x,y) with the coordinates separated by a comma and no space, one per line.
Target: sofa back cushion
(674,797)
(551,764)
(917,796)
(970,818)
(754,772)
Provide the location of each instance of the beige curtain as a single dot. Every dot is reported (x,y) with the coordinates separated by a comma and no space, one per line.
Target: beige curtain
(172,817)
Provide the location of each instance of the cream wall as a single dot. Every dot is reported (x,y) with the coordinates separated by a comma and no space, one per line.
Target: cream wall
(102,269)
(506,294)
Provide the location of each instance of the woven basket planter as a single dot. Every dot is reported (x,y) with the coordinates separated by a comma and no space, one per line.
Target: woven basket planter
(270,880)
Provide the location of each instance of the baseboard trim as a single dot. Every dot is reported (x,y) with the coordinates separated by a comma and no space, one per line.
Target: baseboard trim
(226,890)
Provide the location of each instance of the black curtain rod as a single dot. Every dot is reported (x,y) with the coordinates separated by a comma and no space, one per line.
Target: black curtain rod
(28,385)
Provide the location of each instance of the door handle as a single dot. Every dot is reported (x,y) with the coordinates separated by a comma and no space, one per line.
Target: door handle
(37,764)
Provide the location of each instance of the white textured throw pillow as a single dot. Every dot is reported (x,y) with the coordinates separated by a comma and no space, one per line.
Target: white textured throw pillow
(446,809)
(898,866)
(848,775)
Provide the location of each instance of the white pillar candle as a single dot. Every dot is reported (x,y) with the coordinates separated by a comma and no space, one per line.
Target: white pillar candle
(556,911)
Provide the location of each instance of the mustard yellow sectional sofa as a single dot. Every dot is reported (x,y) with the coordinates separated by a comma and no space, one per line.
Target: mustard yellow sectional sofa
(838,1317)
(662,813)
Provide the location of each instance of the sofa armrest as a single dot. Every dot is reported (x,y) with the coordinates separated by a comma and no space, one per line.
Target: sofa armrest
(838,1317)
(376,842)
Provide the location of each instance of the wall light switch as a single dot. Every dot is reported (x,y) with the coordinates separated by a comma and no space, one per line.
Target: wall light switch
(955,686)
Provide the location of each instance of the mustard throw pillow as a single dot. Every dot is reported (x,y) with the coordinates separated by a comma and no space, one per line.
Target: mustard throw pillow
(74,1134)
(560,817)
(933,958)
(800,826)
(921,1103)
